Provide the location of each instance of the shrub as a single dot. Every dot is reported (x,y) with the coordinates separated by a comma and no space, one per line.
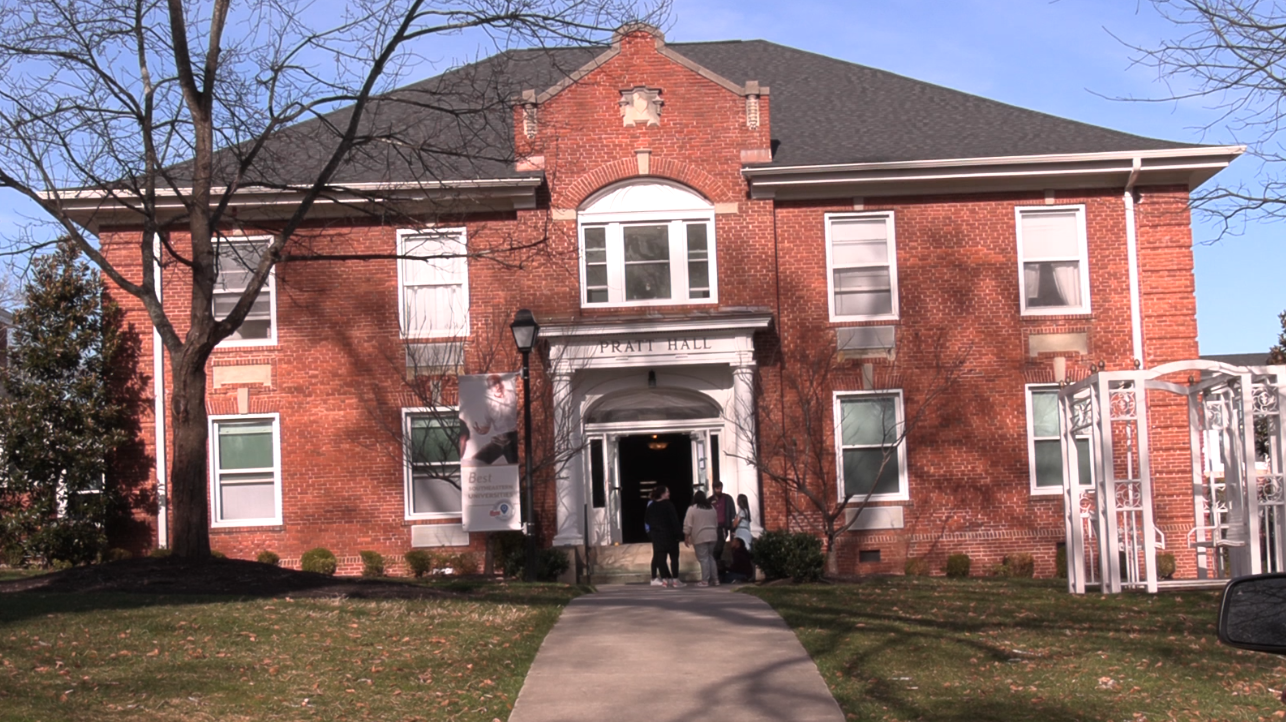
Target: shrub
(1060,562)
(1165,565)
(60,565)
(372,564)
(419,562)
(159,553)
(1018,565)
(504,544)
(789,555)
(216,554)
(958,566)
(462,563)
(916,567)
(320,561)
(14,556)
(267,557)
(116,554)
(550,563)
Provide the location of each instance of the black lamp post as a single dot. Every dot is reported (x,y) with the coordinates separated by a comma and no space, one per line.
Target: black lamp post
(524,329)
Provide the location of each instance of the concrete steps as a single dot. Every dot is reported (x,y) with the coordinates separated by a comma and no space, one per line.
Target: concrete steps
(632,563)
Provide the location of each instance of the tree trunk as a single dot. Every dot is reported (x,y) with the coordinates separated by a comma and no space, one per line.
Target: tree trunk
(188,465)
(832,558)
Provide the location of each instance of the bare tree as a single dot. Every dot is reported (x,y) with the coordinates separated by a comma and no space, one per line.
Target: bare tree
(165,114)
(1230,54)
(802,436)
(428,376)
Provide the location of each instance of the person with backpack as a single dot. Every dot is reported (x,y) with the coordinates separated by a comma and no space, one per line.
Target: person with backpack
(663,528)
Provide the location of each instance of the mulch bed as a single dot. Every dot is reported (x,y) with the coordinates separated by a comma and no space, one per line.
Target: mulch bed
(174,575)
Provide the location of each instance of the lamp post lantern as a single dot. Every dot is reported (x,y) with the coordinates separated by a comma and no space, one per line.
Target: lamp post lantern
(524,329)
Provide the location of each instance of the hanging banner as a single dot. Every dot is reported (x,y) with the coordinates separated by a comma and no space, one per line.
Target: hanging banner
(489,452)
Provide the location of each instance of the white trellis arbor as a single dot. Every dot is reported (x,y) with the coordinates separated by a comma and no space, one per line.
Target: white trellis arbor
(1238,502)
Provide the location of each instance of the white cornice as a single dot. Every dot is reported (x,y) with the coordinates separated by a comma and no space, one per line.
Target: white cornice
(746,322)
(1180,166)
(96,207)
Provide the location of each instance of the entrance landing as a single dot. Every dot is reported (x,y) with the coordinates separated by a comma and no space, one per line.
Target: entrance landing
(651,654)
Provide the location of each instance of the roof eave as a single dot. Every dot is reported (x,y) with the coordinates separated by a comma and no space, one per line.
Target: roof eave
(1189,167)
(97,208)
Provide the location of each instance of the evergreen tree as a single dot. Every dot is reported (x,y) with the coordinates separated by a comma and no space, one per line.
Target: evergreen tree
(61,418)
(1277,354)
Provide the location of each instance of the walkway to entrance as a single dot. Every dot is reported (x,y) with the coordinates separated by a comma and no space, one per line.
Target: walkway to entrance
(637,652)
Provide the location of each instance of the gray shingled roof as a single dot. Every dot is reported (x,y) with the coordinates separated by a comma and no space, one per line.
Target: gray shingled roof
(824,111)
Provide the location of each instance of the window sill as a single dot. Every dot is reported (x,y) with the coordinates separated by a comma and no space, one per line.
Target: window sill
(412,520)
(230,345)
(1058,315)
(226,528)
(651,304)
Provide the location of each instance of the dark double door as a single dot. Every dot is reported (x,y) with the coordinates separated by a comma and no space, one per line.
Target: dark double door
(646,461)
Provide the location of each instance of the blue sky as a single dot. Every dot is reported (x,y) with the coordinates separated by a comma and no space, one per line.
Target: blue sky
(1058,57)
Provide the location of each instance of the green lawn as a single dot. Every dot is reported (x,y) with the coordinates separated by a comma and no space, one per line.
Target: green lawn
(135,657)
(936,649)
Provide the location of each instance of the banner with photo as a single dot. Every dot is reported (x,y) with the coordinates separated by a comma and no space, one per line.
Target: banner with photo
(489,452)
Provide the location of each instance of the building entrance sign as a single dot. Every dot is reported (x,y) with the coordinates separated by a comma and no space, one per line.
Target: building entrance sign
(489,458)
(689,381)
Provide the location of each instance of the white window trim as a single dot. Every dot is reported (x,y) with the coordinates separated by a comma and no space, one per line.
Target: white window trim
(402,235)
(270,286)
(904,490)
(1031,445)
(615,221)
(407,413)
(1084,260)
(215,507)
(893,267)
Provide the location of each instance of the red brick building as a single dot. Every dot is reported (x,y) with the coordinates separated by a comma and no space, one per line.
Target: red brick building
(696,227)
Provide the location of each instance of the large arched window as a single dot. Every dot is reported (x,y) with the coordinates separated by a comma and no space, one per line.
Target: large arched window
(644,244)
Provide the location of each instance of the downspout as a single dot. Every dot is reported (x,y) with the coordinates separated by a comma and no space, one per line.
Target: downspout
(158,412)
(1132,253)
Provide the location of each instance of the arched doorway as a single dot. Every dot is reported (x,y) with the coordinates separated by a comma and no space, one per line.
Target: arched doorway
(640,439)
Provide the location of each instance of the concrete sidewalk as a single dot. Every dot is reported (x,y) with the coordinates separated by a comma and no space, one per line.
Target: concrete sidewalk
(637,652)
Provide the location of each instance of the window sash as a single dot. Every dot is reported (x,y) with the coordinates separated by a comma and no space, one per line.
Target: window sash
(861,255)
(1053,260)
(432,464)
(235,260)
(622,266)
(1045,443)
(866,427)
(248,495)
(433,293)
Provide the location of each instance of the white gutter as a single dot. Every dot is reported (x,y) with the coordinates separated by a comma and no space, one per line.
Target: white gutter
(1132,253)
(481,183)
(1130,156)
(158,411)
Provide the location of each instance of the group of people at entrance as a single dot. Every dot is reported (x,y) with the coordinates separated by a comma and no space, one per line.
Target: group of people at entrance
(707,527)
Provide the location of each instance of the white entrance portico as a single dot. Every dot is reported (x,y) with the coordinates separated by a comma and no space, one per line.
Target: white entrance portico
(615,383)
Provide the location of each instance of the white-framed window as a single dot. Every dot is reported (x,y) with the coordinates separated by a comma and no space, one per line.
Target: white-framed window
(1053,260)
(861,266)
(431,453)
(433,293)
(245,470)
(647,244)
(870,445)
(1045,444)
(236,260)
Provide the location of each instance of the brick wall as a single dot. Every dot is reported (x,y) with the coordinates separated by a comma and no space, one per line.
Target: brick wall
(336,369)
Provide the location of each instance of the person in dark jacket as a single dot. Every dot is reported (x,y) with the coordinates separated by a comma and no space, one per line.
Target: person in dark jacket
(663,524)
